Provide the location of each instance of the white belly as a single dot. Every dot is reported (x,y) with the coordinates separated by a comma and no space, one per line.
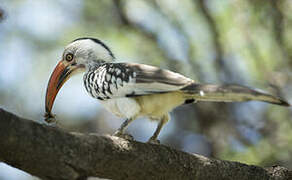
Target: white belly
(122,107)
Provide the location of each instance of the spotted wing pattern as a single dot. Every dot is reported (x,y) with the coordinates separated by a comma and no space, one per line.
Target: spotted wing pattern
(114,80)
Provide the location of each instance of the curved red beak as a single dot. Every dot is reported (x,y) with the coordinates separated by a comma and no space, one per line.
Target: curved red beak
(60,75)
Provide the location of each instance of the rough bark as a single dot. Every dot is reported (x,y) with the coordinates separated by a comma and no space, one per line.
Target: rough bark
(52,153)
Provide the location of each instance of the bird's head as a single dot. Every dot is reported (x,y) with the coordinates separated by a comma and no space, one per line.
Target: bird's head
(79,56)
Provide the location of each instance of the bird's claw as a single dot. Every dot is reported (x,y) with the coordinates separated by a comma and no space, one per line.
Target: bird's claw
(50,118)
(153,141)
(123,135)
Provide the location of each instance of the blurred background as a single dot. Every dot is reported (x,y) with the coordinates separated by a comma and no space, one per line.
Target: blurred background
(247,42)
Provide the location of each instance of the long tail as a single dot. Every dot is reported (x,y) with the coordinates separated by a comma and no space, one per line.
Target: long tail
(230,93)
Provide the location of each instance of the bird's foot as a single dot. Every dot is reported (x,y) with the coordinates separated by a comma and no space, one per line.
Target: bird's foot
(153,141)
(123,135)
(50,119)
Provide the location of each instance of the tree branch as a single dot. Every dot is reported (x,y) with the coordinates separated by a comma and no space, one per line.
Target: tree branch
(214,32)
(1,14)
(52,153)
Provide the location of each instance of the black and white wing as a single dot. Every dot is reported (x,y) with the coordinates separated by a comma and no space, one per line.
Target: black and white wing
(114,80)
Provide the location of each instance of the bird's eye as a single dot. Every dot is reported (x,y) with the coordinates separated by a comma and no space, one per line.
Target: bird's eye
(69,57)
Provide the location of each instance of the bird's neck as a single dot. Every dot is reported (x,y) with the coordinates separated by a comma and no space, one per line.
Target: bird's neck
(95,64)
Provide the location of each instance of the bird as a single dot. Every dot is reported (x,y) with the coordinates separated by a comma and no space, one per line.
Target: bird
(133,90)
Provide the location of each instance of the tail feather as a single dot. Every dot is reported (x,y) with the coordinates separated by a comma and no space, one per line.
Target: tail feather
(230,93)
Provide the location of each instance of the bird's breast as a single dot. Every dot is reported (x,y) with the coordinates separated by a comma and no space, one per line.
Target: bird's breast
(122,107)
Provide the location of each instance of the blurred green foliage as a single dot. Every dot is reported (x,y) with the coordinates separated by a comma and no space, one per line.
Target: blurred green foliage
(245,42)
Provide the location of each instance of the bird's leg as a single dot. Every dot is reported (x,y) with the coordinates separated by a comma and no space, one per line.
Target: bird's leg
(162,122)
(123,127)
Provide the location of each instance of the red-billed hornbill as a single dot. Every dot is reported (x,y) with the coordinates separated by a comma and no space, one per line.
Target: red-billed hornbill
(131,90)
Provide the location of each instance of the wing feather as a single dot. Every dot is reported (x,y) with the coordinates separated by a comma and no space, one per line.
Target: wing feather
(148,79)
